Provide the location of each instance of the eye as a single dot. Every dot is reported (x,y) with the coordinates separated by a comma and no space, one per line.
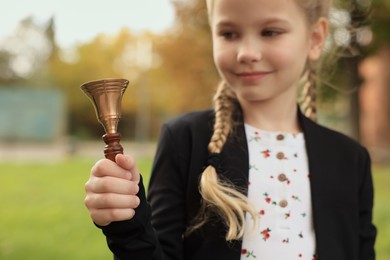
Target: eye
(228,35)
(271,32)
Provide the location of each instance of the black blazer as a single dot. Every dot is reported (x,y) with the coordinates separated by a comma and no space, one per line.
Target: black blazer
(341,187)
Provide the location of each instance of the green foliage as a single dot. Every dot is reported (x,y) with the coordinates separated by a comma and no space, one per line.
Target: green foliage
(380,22)
(183,77)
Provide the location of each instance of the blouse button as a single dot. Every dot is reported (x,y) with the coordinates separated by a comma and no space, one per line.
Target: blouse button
(282,177)
(283,203)
(280,155)
(280,137)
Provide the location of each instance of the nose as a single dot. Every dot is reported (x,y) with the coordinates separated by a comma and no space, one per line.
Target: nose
(249,51)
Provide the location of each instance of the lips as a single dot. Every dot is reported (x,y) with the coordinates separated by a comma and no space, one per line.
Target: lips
(252,76)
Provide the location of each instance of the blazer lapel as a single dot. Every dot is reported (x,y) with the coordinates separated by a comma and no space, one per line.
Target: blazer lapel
(235,159)
(235,168)
(314,144)
(319,161)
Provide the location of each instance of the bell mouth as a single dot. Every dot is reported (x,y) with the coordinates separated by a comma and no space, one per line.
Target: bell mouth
(106,97)
(104,83)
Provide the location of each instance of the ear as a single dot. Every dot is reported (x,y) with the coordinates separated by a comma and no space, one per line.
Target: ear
(318,36)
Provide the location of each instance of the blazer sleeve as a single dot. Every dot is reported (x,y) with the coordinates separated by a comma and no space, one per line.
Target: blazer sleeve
(135,238)
(367,230)
(155,232)
(167,190)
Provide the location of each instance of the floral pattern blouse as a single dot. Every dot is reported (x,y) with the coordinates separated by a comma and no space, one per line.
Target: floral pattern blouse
(279,190)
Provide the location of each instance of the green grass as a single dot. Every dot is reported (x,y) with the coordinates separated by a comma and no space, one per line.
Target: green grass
(382,211)
(42,214)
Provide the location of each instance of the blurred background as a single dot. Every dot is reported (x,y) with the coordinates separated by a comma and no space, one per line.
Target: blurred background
(49,135)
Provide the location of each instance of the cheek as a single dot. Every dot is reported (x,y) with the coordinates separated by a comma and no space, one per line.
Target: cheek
(221,57)
(282,56)
(290,57)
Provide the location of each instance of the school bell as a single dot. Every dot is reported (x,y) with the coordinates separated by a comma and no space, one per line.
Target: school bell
(106,97)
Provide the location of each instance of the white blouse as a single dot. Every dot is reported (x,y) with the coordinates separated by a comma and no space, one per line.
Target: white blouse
(279,190)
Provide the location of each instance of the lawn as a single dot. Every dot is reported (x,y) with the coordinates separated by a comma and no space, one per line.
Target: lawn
(382,211)
(43,215)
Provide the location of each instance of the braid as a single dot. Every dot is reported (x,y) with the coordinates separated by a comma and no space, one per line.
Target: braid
(309,93)
(219,196)
(224,102)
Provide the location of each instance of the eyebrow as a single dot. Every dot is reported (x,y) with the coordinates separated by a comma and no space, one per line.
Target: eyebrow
(266,21)
(224,23)
(276,20)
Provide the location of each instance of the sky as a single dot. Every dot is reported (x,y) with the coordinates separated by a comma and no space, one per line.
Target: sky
(79,21)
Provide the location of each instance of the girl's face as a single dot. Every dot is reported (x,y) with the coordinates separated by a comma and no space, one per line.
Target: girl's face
(261,46)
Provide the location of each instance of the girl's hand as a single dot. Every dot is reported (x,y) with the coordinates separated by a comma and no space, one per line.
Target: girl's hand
(111,190)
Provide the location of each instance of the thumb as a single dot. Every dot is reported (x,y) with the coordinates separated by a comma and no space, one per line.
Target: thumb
(128,163)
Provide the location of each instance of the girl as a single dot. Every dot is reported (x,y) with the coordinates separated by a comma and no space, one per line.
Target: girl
(255,177)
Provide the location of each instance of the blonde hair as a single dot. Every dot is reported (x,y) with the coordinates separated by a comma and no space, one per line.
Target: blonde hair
(314,10)
(220,196)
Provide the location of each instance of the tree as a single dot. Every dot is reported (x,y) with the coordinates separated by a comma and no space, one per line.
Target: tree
(186,56)
(25,52)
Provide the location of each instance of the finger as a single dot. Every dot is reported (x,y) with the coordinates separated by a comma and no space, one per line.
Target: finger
(110,184)
(128,163)
(103,217)
(111,201)
(107,167)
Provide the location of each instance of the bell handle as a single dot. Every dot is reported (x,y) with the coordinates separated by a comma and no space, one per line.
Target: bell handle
(113,146)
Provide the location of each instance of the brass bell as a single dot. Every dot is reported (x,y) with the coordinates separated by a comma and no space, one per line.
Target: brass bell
(106,97)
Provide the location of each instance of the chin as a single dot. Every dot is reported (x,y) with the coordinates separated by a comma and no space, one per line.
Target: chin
(250,96)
